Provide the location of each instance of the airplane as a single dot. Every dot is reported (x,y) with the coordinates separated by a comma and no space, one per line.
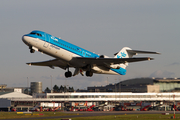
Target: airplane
(67,55)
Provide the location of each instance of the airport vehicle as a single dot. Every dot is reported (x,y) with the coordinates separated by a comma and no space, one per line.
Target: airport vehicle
(146,108)
(90,108)
(68,55)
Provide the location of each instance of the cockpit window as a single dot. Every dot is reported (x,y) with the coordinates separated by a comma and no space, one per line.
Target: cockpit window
(36,34)
(33,33)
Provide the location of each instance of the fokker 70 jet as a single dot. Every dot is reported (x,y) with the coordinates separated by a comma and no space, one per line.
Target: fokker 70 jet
(67,55)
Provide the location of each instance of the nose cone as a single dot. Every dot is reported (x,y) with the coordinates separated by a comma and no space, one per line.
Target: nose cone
(24,39)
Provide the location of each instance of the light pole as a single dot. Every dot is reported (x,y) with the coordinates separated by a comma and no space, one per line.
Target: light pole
(107,80)
(119,84)
(115,85)
(51,84)
(27,86)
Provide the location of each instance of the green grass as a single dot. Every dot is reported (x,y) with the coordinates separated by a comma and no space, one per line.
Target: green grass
(13,115)
(130,117)
(126,117)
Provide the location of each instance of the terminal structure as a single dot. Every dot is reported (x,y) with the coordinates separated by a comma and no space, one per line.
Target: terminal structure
(157,94)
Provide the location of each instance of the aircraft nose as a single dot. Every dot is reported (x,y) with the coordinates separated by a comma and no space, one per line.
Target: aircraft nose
(24,39)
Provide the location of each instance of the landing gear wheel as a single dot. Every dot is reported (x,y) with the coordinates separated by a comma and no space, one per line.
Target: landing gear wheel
(68,74)
(32,51)
(89,73)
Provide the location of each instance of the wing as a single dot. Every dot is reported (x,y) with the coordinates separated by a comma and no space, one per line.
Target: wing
(103,61)
(51,63)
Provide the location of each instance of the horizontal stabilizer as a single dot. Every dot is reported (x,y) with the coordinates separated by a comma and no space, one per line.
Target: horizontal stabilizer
(141,52)
(127,52)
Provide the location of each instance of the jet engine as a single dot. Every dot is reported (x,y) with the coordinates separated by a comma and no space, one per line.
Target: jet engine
(103,56)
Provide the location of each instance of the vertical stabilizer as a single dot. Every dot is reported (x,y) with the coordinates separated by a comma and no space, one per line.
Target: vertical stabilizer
(123,53)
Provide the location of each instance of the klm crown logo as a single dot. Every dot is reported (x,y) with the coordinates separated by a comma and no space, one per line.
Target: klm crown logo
(122,55)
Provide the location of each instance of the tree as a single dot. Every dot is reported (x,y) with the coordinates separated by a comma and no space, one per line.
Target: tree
(47,90)
(71,89)
(61,89)
(56,88)
(65,89)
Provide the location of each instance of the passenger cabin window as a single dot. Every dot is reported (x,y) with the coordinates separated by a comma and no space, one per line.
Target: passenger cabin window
(38,34)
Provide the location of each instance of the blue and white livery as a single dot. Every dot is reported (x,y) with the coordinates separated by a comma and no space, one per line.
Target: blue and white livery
(68,55)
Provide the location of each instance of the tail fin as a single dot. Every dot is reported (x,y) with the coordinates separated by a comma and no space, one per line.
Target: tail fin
(123,53)
(127,52)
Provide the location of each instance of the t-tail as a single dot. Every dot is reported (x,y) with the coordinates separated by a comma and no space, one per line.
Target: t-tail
(127,52)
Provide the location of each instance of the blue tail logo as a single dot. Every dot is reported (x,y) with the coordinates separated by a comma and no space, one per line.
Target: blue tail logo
(122,55)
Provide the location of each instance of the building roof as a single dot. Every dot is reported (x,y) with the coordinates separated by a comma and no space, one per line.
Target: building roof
(13,95)
(138,81)
(168,80)
(136,84)
(2,93)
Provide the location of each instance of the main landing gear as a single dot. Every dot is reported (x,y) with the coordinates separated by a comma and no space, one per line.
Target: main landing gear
(68,74)
(89,73)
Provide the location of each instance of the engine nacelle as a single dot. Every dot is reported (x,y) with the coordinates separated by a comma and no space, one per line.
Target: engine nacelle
(103,56)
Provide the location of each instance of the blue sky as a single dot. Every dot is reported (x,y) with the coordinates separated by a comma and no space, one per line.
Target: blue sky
(102,26)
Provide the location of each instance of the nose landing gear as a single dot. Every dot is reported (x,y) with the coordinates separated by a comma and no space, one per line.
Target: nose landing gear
(32,51)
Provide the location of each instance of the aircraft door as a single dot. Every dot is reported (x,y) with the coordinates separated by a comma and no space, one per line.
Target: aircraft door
(46,42)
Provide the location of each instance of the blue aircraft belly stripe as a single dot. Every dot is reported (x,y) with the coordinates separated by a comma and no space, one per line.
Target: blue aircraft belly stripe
(70,47)
(120,71)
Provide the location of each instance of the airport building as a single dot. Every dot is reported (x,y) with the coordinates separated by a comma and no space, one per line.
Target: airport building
(4,88)
(102,101)
(35,87)
(141,85)
(134,94)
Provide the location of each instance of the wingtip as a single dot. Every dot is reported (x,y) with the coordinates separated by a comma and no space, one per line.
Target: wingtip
(158,53)
(150,58)
(28,64)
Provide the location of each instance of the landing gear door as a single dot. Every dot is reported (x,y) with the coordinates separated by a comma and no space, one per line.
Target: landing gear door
(46,42)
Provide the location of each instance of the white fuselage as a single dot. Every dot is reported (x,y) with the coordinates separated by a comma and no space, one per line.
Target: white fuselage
(63,54)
